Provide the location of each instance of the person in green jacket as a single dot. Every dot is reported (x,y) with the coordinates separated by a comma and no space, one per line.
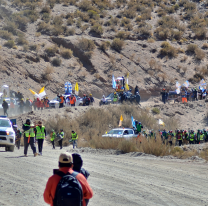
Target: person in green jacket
(61,135)
(53,136)
(115,98)
(40,134)
(74,137)
(139,127)
(191,137)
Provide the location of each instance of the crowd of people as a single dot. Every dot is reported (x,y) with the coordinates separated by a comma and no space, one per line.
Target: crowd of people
(185,94)
(177,137)
(71,174)
(33,134)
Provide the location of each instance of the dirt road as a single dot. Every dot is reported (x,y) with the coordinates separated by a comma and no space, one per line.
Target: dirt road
(116,180)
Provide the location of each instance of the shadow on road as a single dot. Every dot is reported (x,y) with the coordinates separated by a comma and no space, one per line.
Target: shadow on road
(16,156)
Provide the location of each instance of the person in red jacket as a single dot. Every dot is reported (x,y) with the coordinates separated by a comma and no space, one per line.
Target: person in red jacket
(66,165)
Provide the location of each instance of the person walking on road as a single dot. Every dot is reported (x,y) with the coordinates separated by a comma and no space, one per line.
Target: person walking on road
(18,138)
(53,136)
(40,134)
(74,137)
(5,107)
(77,167)
(61,135)
(29,137)
(66,166)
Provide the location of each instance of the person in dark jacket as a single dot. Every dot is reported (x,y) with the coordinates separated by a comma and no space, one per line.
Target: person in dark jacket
(138,98)
(164,96)
(122,97)
(77,167)
(29,137)
(136,90)
(5,107)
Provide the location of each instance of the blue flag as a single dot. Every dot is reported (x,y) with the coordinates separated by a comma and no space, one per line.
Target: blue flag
(133,122)
(113,82)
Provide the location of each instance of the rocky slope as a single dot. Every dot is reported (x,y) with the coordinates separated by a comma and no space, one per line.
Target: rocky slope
(41,31)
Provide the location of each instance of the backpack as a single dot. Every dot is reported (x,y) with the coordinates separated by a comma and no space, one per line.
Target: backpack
(68,190)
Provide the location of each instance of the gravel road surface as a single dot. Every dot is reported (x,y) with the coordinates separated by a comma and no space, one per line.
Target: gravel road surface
(117,180)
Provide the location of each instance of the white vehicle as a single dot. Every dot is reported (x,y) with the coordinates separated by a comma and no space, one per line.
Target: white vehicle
(7,134)
(55,102)
(121,133)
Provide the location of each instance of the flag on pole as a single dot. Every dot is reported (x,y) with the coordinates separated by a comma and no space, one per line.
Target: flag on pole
(76,89)
(113,82)
(34,93)
(42,92)
(127,82)
(203,83)
(178,85)
(120,122)
(133,122)
(178,91)
(186,84)
(161,122)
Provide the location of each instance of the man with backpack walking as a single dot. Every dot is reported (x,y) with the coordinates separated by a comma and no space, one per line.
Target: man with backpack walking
(67,187)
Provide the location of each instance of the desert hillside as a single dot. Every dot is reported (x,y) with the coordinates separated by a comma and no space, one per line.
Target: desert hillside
(46,43)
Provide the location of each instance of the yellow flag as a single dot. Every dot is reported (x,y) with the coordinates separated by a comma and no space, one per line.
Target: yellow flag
(121,118)
(127,86)
(76,87)
(34,93)
(42,90)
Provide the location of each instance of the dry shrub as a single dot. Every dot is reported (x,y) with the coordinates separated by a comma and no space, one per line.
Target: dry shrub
(122,35)
(117,44)
(168,50)
(66,53)
(6,35)
(154,147)
(105,45)
(184,58)
(46,75)
(191,48)
(51,51)
(204,154)
(126,146)
(205,46)
(150,72)
(70,32)
(200,54)
(56,61)
(9,44)
(150,40)
(95,122)
(97,29)
(204,70)
(86,44)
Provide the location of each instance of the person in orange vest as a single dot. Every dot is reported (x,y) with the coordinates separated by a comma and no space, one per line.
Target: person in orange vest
(12,107)
(62,100)
(72,100)
(46,102)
